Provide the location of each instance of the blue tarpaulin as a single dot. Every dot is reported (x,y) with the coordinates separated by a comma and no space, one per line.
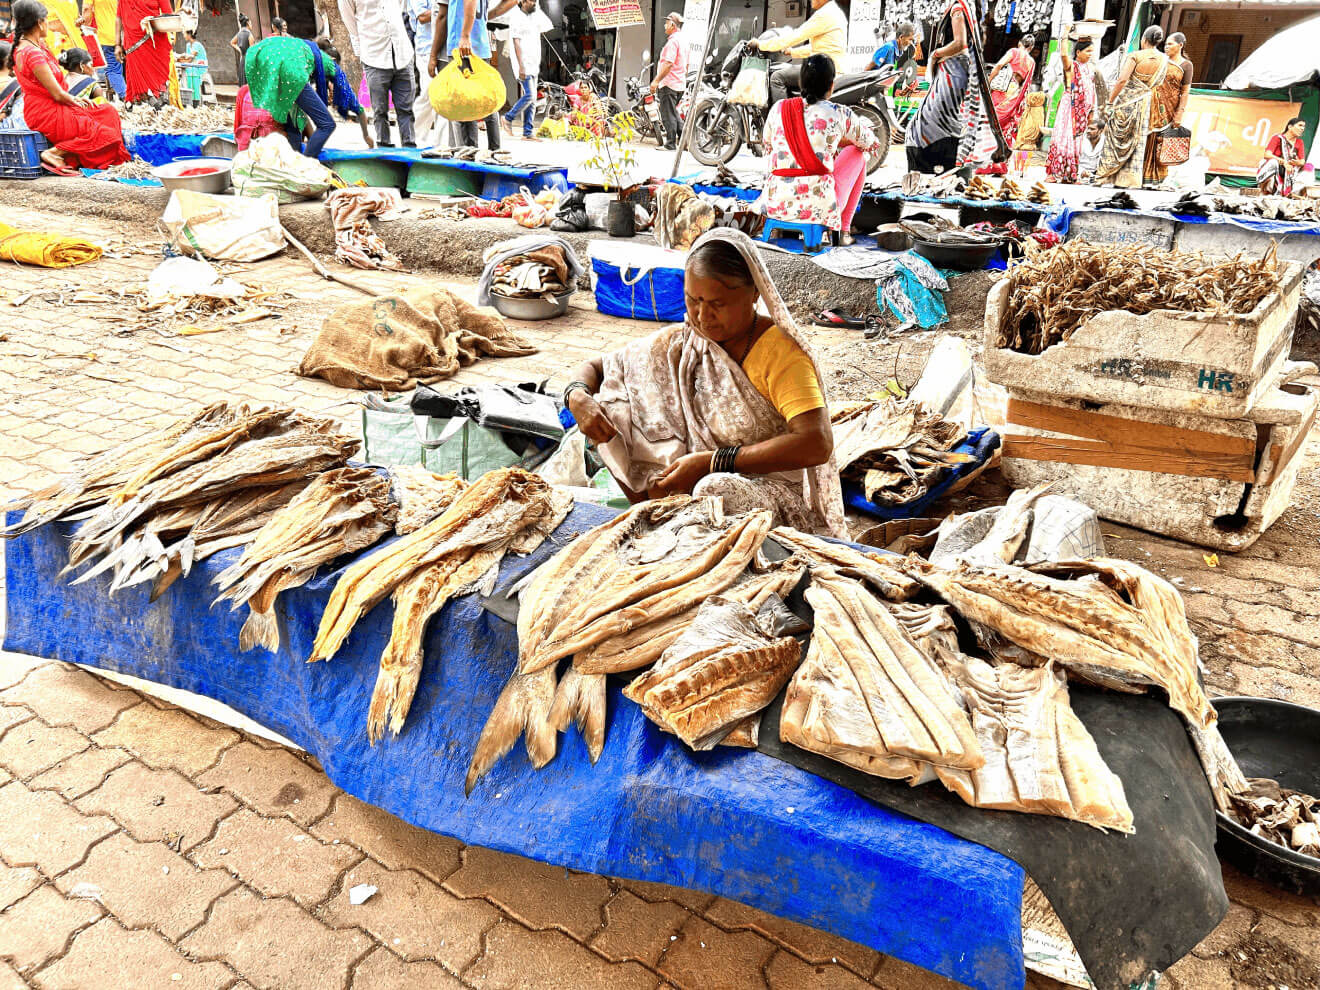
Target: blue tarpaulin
(161,149)
(980,443)
(1059,219)
(732,822)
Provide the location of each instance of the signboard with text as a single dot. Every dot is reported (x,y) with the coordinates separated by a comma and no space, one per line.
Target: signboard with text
(863,23)
(616,13)
(1234,130)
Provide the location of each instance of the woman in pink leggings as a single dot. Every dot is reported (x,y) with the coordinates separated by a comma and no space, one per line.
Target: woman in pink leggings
(817,155)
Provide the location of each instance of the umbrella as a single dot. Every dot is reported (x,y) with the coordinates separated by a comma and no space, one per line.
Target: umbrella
(1286,59)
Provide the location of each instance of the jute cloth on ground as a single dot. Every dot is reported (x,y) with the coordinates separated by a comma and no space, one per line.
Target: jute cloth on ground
(399,341)
(674,392)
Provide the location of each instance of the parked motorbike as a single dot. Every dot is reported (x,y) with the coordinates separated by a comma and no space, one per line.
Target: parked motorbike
(721,128)
(645,110)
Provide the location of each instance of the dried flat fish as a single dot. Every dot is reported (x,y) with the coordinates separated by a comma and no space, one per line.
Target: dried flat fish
(896,449)
(883,572)
(1039,758)
(580,699)
(422,495)
(725,668)
(341,511)
(867,696)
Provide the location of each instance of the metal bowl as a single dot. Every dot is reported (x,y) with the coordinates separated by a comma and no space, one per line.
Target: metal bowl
(169,22)
(960,257)
(531,309)
(1281,741)
(213,182)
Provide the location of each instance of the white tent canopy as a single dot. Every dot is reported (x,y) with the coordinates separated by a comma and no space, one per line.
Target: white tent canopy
(1285,60)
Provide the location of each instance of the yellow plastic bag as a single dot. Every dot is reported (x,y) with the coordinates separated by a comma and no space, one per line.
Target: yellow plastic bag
(552,128)
(467,89)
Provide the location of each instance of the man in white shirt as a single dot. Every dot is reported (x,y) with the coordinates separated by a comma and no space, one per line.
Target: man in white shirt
(422,21)
(380,40)
(526,27)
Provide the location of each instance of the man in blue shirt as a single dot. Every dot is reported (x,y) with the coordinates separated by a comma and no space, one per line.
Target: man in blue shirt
(897,50)
(467,34)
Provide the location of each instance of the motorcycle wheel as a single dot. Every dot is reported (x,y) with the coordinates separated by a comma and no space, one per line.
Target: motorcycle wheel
(716,133)
(881,127)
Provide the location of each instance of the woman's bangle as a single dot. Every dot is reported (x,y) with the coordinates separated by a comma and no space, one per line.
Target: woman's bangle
(573,387)
(722,461)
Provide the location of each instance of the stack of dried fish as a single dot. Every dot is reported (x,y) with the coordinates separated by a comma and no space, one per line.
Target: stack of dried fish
(422,495)
(456,553)
(1290,818)
(1055,292)
(135,168)
(341,511)
(896,450)
(725,668)
(659,560)
(146,119)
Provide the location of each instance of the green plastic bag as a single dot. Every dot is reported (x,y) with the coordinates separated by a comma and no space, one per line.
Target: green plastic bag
(467,88)
(391,434)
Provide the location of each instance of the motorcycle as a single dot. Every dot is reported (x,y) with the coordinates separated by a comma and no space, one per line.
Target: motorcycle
(721,128)
(645,110)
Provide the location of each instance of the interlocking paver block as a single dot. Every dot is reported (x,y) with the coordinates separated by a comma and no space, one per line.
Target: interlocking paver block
(389,840)
(107,955)
(275,856)
(17,882)
(76,775)
(273,781)
(693,900)
(38,828)
(9,978)
(516,959)
(787,972)
(638,929)
(32,746)
(167,740)
(812,944)
(895,974)
(147,884)
(383,970)
(11,715)
(537,894)
(705,958)
(158,804)
(275,944)
(412,915)
(38,927)
(64,695)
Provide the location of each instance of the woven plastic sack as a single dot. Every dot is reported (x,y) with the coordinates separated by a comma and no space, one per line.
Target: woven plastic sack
(467,89)
(223,228)
(391,434)
(270,165)
(752,87)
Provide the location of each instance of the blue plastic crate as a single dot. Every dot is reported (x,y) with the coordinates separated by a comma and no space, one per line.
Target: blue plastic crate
(20,154)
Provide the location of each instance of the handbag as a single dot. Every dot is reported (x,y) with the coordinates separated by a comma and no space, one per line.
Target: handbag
(1174,146)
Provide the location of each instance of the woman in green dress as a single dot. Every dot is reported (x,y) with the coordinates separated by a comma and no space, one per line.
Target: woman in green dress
(294,80)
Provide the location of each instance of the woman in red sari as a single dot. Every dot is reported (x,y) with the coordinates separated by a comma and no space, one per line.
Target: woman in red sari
(145,57)
(1010,80)
(82,135)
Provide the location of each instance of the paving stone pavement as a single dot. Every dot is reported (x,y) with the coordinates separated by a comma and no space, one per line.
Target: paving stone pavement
(141,845)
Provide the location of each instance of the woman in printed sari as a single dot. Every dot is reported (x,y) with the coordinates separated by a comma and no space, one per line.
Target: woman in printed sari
(1122,163)
(81,134)
(1010,80)
(1167,104)
(954,127)
(145,55)
(817,153)
(1284,155)
(728,403)
(1074,116)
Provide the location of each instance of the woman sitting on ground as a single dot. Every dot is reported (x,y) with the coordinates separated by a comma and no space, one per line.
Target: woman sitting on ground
(11,92)
(817,155)
(1283,157)
(77,65)
(81,134)
(729,403)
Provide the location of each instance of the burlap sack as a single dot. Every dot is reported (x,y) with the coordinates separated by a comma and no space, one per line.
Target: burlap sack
(399,341)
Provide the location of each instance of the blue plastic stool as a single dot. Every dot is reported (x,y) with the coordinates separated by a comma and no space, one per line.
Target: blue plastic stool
(812,234)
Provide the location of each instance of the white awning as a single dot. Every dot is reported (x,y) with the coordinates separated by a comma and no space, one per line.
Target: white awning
(1285,60)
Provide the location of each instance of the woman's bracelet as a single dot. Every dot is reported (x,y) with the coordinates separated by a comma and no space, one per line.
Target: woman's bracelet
(573,387)
(721,462)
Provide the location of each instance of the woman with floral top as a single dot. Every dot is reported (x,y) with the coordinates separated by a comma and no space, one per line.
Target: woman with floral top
(817,155)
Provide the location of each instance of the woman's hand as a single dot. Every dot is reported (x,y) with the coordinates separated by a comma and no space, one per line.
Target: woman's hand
(119,54)
(591,418)
(682,476)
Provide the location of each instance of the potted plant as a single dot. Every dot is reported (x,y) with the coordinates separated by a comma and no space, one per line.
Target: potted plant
(615,161)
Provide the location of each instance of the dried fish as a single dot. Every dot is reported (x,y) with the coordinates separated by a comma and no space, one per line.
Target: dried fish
(897,450)
(341,511)
(1054,292)
(725,668)
(1289,818)
(883,572)
(422,495)
(146,119)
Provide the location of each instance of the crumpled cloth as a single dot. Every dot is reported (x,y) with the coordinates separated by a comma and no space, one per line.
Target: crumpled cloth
(397,342)
(912,289)
(35,247)
(356,243)
(531,246)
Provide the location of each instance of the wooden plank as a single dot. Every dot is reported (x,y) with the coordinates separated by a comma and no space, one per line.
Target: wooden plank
(1097,453)
(1126,433)
(1281,459)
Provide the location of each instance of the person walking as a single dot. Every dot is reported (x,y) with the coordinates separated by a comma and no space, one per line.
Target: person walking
(240,43)
(825,32)
(467,34)
(380,40)
(527,26)
(145,54)
(671,78)
(422,19)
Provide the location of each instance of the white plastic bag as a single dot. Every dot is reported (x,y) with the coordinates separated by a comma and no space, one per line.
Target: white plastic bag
(752,86)
(270,165)
(223,227)
(177,280)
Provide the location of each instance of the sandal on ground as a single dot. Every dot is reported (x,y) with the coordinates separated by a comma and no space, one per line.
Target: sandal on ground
(60,170)
(836,319)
